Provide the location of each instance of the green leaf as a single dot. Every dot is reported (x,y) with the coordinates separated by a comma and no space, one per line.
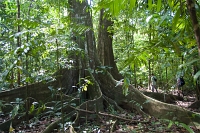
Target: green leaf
(159,5)
(15,111)
(126,86)
(171,3)
(116,7)
(132,4)
(175,19)
(189,63)
(31,109)
(196,76)
(170,124)
(40,109)
(125,91)
(187,128)
(84,88)
(126,82)
(149,4)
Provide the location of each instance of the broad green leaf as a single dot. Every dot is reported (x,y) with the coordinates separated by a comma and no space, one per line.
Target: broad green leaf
(189,63)
(84,88)
(149,4)
(196,76)
(171,3)
(187,128)
(175,19)
(132,4)
(117,6)
(170,124)
(14,112)
(159,5)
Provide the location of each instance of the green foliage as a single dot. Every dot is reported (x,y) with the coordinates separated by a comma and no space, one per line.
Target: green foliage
(84,83)
(196,76)
(156,31)
(159,3)
(37,35)
(176,19)
(180,125)
(126,86)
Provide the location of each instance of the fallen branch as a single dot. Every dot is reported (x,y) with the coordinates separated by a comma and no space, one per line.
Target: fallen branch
(110,115)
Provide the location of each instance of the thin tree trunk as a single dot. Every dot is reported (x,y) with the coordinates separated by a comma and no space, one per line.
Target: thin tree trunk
(149,75)
(18,43)
(135,76)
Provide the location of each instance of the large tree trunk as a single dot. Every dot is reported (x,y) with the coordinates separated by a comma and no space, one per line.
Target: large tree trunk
(86,61)
(105,49)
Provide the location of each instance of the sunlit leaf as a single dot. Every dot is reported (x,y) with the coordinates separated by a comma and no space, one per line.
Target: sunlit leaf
(175,19)
(171,3)
(149,4)
(159,5)
(11,129)
(132,4)
(84,88)
(31,109)
(170,124)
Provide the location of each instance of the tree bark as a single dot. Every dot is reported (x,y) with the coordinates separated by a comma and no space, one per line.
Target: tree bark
(150,106)
(105,49)
(18,44)
(195,24)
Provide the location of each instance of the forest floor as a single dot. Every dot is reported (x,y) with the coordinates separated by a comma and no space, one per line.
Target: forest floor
(127,122)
